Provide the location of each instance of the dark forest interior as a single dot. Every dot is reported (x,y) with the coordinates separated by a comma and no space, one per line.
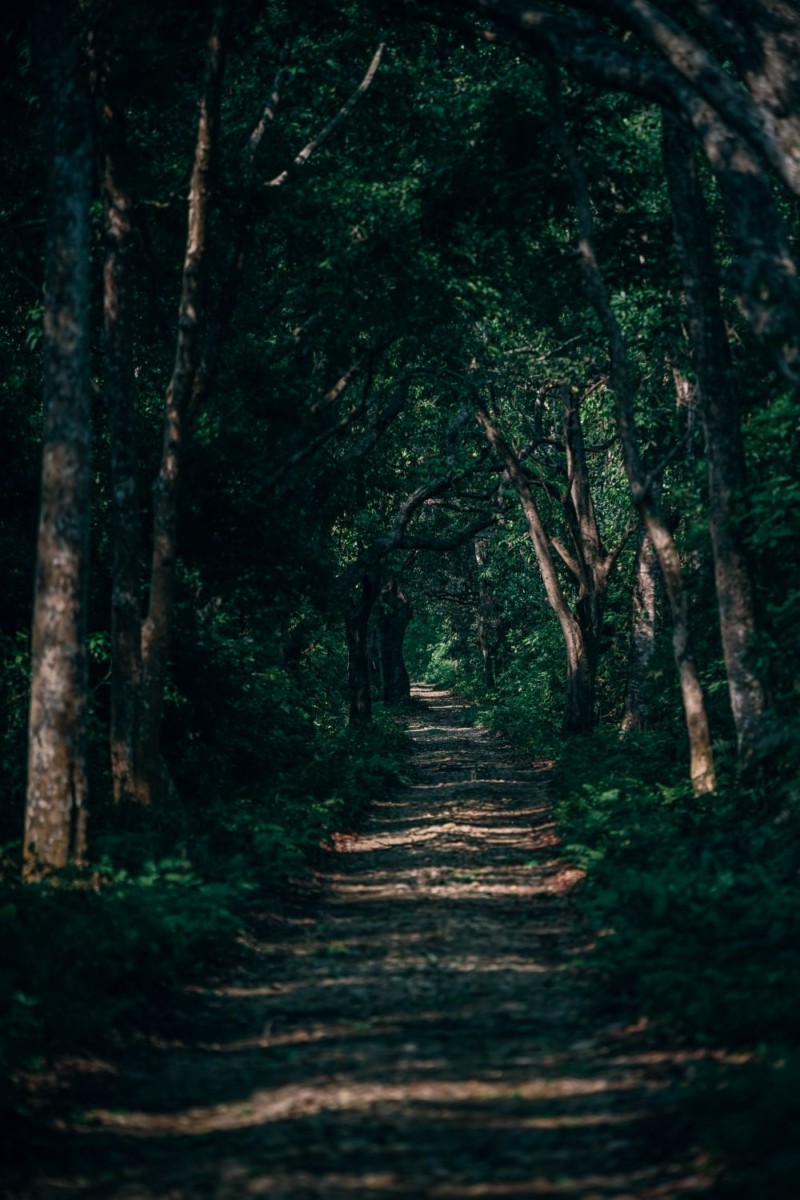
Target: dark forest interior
(399,654)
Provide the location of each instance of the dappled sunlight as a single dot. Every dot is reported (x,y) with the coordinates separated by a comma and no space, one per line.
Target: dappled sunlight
(319,1095)
(428,1032)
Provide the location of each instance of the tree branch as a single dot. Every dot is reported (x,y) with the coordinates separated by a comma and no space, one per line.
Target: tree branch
(565,556)
(324,134)
(410,541)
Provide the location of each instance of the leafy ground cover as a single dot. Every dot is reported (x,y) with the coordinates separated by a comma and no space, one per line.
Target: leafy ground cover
(89,956)
(693,902)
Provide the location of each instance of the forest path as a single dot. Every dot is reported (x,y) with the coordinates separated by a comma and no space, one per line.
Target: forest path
(425,1034)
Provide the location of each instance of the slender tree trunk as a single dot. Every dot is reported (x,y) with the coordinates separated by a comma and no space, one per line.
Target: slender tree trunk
(488,619)
(357,618)
(701,759)
(55,814)
(394,617)
(157,627)
(636,715)
(581,664)
(724,450)
(375,656)
(126,620)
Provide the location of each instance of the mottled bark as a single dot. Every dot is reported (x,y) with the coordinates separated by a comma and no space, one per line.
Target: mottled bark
(737,129)
(762,38)
(637,710)
(719,410)
(767,39)
(55,814)
(701,759)
(394,616)
(157,627)
(126,621)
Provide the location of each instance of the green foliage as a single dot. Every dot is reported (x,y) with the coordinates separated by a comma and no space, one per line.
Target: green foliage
(693,898)
(99,951)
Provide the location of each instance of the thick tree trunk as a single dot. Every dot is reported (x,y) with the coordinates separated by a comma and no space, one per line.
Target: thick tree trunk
(719,411)
(157,627)
(55,814)
(126,620)
(636,714)
(393,618)
(579,706)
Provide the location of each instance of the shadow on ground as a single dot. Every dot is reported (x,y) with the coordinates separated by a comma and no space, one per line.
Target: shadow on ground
(431,1032)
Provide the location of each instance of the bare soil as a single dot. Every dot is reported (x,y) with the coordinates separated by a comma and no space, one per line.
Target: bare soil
(432,1028)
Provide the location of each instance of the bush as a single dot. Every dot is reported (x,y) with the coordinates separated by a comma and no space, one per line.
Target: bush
(92,953)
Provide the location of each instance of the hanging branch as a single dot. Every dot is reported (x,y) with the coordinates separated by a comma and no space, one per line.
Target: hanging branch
(319,140)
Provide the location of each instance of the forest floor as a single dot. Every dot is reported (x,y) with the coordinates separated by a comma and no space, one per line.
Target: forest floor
(428,1028)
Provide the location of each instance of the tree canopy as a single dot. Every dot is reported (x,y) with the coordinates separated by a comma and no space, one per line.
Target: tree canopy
(453,339)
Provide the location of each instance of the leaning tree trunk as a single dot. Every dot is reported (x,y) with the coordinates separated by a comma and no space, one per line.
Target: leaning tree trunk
(701,759)
(719,410)
(157,627)
(55,814)
(393,619)
(126,621)
(579,702)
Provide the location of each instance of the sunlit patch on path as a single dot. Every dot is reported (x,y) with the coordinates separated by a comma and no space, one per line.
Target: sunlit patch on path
(431,1033)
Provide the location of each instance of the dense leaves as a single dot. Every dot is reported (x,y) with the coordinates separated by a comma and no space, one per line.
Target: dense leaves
(392,206)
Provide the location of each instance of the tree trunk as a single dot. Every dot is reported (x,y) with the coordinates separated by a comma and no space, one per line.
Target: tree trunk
(375,656)
(581,664)
(55,814)
(126,621)
(393,618)
(357,615)
(719,411)
(488,619)
(636,715)
(701,759)
(157,627)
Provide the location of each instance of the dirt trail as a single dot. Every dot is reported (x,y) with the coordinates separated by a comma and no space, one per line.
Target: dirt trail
(425,1035)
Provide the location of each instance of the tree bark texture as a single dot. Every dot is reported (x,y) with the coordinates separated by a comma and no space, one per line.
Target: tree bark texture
(740,125)
(719,410)
(55,814)
(701,759)
(126,621)
(157,627)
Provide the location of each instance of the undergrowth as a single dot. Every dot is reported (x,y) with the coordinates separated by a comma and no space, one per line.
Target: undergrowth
(693,902)
(95,953)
